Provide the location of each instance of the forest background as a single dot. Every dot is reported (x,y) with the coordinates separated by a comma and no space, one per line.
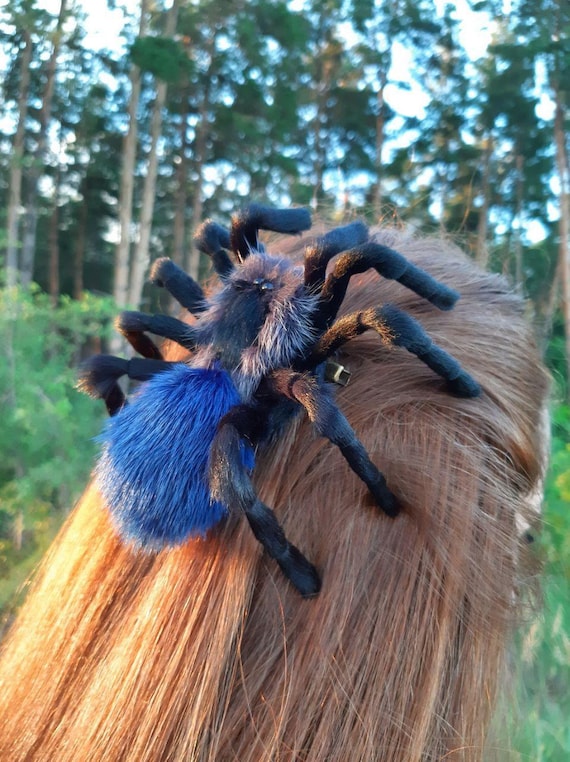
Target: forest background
(112,153)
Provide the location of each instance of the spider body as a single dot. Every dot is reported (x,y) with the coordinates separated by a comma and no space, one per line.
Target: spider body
(259,321)
(179,455)
(173,418)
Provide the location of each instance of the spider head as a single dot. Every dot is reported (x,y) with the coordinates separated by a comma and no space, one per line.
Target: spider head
(261,318)
(239,310)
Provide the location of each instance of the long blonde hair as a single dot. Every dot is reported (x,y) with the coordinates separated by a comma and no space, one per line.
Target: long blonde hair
(205,652)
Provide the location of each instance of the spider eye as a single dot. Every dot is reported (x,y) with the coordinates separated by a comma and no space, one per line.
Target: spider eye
(263,285)
(240,285)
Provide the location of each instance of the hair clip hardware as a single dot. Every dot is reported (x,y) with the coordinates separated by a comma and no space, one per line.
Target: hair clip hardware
(336,373)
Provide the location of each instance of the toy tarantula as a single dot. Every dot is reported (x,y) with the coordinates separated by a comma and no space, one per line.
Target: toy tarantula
(178,456)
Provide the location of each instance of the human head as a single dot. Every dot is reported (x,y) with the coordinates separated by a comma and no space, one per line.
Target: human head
(205,652)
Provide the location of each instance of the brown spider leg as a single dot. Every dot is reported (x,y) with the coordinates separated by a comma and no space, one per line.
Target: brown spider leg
(231,485)
(98,377)
(319,254)
(387,263)
(396,327)
(330,422)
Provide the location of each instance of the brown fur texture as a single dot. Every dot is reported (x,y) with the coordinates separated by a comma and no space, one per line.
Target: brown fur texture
(206,652)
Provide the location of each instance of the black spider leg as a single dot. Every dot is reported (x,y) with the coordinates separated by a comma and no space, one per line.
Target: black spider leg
(389,264)
(132,325)
(319,254)
(231,485)
(167,274)
(214,240)
(396,327)
(247,224)
(98,377)
(330,422)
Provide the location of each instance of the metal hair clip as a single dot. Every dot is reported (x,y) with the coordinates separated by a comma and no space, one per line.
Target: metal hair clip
(336,373)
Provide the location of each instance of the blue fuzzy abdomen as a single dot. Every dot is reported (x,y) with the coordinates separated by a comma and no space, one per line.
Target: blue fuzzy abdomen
(153,470)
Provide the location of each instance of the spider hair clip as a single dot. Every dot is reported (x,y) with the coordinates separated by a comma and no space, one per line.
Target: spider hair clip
(178,455)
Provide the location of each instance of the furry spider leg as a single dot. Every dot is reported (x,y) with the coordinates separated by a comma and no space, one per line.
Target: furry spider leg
(166,274)
(231,485)
(98,377)
(387,263)
(132,325)
(331,423)
(319,254)
(396,327)
(247,224)
(214,240)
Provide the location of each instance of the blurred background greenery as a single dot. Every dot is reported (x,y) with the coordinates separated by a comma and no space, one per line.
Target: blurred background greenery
(540,695)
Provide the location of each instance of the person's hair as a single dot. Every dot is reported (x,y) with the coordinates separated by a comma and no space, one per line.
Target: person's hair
(206,652)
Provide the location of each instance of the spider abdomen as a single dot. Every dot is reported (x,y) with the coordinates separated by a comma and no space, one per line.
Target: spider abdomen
(171,420)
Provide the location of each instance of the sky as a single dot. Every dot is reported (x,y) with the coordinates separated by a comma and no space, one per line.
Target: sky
(104,28)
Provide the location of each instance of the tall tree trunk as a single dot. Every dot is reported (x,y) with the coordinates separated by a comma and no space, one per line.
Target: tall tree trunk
(563,223)
(15,181)
(142,252)
(379,147)
(80,244)
(192,263)
(29,239)
(181,194)
(481,247)
(518,216)
(323,86)
(18,527)
(126,191)
(319,163)
(53,243)
(179,241)
(546,316)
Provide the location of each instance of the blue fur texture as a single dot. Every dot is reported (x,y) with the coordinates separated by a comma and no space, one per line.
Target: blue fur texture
(171,421)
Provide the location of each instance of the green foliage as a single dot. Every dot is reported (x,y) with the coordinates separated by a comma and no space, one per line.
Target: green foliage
(555,356)
(48,426)
(165,58)
(556,536)
(542,699)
